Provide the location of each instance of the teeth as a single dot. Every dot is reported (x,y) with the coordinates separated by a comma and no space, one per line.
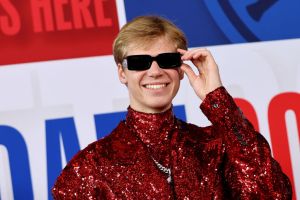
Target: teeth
(155,86)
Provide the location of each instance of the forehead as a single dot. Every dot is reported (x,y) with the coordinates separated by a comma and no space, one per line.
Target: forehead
(153,47)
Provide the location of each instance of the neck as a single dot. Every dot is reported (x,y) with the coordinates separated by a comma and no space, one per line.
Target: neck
(154,130)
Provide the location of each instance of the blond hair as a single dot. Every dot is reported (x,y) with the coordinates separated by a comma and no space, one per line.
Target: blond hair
(142,31)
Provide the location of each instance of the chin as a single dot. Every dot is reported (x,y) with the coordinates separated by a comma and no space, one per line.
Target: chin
(159,106)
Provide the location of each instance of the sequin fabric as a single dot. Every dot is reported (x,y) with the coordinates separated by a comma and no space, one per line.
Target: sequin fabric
(228,160)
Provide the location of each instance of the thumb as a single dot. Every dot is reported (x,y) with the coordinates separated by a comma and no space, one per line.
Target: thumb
(189,72)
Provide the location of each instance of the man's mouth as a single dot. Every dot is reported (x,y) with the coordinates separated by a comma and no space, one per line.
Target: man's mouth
(155,86)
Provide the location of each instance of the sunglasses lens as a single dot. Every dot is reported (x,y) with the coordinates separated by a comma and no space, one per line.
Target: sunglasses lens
(169,60)
(139,62)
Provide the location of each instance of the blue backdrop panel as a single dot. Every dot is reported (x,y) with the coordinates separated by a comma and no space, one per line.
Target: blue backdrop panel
(212,22)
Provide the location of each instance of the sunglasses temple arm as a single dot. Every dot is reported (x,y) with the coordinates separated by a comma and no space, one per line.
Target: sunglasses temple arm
(124,63)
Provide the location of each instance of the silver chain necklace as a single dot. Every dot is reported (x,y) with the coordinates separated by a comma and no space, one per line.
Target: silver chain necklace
(164,169)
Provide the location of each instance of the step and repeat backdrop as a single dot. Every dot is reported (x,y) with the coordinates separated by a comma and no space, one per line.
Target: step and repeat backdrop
(59,89)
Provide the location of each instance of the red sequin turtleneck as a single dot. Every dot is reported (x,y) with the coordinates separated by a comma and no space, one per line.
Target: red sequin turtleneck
(228,160)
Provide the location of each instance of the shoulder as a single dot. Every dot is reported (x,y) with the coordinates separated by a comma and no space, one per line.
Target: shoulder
(201,134)
(116,148)
(206,142)
(107,149)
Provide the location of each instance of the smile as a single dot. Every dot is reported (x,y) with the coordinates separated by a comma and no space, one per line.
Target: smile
(155,86)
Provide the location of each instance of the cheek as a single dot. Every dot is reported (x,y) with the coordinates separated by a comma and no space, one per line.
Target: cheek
(134,80)
(176,79)
(134,76)
(175,76)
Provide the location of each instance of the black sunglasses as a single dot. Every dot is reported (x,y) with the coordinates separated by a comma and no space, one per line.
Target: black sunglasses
(143,62)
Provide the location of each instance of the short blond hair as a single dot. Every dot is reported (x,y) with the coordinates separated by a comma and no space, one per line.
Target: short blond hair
(142,31)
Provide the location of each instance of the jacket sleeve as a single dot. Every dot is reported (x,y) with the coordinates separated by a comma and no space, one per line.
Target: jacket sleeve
(250,172)
(80,181)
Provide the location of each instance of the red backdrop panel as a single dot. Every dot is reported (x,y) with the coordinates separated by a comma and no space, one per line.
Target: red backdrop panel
(41,30)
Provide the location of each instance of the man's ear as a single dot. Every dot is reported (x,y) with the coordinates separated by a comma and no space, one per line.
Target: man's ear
(121,74)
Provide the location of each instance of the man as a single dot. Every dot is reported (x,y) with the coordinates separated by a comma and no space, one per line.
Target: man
(152,154)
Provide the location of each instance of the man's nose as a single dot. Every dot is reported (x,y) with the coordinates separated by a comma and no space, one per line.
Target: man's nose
(155,70)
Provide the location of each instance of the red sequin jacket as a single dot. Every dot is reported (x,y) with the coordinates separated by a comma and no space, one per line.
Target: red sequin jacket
(227,160)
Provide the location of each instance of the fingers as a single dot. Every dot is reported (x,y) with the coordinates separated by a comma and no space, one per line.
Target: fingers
(193,54)
(201,58)
(181,51)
